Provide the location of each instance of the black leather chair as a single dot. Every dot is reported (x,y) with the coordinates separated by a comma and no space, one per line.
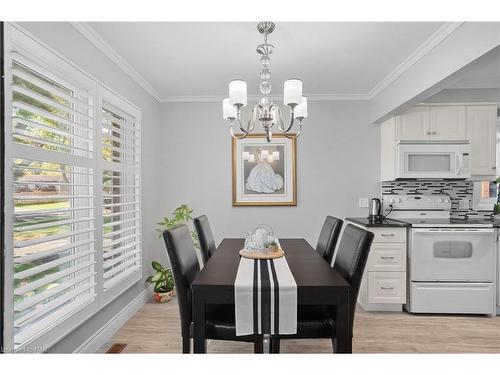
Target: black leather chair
(328,237)
(319,322)
(205,237)
(220,324)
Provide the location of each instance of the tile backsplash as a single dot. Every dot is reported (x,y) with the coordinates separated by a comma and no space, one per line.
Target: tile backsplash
(459,191)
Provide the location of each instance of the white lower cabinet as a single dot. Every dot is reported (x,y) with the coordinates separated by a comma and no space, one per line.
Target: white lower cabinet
(387,287)
(384,282)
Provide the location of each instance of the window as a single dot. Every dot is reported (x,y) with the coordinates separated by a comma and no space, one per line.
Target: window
(486,192)
(121,236)
(72,195)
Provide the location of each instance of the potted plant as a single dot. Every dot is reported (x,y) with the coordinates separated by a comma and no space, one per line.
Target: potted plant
(163,282)
(496,206)
(181,215)
(273,246)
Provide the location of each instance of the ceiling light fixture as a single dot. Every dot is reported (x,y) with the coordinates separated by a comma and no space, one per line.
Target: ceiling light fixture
(265,111)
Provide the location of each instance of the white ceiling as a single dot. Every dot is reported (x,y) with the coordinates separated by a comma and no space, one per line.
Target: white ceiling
(199,59)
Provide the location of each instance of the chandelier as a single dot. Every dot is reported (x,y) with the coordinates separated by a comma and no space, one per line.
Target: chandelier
(266,112)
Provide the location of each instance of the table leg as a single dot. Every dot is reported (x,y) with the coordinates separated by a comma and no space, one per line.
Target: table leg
(199,342)
(342,326)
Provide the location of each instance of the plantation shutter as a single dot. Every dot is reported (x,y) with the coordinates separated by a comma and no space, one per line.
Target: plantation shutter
(53,209)
(121,228)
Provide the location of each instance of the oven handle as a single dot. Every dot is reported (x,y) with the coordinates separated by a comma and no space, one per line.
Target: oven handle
(454,230)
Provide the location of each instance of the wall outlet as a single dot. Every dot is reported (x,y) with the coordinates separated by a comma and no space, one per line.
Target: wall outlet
(363,202)
(463,204)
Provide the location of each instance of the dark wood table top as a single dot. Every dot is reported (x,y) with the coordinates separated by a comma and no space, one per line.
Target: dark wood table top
(310,270)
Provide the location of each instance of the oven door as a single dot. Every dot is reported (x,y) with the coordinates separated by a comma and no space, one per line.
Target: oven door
(433,161)
(452,254)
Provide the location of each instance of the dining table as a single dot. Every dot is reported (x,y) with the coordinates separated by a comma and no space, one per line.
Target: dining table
(317,284)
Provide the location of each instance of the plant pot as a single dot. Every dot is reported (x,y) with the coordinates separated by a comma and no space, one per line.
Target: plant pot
(162,297)
(273,249)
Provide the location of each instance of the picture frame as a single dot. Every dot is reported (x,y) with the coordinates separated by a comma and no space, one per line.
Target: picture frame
(264,173)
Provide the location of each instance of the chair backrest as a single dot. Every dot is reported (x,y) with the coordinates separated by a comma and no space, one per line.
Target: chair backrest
(351,260)
(328,237)
(185,267)
(205,237)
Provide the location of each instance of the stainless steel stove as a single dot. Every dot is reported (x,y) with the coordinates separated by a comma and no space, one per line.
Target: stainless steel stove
(451,262)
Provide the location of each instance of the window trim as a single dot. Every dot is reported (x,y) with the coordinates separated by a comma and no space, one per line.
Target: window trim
(16,35)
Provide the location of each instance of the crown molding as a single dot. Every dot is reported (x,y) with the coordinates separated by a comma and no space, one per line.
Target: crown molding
(437,37)
(255,98)
(88,32)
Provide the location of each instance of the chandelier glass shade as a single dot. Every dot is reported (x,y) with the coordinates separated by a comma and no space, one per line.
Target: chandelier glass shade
(265,112)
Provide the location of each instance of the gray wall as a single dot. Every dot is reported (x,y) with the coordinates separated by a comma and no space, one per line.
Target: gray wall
(337,162)
(63,38)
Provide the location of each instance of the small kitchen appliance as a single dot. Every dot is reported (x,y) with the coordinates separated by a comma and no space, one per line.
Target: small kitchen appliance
(375,210)
(451,262)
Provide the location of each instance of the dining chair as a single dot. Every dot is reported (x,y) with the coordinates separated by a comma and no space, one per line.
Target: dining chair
(319,321)
(205,237)
(328,238)
(220,319)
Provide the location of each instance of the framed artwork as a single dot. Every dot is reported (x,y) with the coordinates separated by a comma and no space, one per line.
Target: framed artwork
(264,174)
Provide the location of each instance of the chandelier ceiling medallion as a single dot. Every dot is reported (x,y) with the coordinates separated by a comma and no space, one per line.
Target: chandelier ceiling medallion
(265,111)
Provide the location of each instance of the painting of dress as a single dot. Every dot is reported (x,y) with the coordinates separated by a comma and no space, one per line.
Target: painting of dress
(264,173)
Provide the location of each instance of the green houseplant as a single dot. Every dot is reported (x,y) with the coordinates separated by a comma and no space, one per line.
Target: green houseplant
(163,282)
(181,215)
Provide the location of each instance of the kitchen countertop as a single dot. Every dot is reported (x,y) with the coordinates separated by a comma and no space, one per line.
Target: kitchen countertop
(384,223)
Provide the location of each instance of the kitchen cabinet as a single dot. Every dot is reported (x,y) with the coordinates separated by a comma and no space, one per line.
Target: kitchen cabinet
(383,287)
(472,122)
(481,132)
(413,125)
(447,123)
(432,123)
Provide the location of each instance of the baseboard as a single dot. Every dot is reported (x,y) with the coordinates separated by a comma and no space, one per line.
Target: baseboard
(390,307)
(98,339)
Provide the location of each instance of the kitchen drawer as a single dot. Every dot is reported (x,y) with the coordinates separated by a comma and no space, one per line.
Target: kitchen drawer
(389,234)
(387,256)
(386,287)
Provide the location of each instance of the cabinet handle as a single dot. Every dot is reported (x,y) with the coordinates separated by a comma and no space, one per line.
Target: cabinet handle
(387,235)
(434,133)
(386,257)
(493,167)
(386,288)
(428,133)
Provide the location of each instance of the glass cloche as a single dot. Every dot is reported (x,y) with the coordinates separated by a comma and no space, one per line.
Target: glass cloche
(260,238)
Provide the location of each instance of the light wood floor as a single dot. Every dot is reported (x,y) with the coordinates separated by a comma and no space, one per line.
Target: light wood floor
(155,329)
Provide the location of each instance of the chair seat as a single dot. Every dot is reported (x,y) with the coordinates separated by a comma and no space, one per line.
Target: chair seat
(315,321)
(221,324)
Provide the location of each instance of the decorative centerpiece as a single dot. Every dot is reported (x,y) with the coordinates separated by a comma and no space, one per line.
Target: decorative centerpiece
(261,244)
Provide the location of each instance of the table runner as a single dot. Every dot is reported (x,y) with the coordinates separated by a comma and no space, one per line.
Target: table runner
(265,295)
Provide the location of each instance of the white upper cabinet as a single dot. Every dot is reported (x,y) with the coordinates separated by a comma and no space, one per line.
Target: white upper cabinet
(448,123)
(413,125)
(481,125)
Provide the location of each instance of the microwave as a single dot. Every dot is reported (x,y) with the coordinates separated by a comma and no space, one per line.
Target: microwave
(433,160)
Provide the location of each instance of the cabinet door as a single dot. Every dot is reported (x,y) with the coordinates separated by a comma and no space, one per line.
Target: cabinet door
(448,123)
(481,124)
(413,125)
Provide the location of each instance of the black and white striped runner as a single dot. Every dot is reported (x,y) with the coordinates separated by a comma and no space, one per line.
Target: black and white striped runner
(265,295)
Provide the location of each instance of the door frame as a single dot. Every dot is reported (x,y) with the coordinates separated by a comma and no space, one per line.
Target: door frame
(2,195)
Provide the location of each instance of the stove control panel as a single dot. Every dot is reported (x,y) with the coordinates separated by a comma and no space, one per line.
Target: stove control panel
(417,202)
